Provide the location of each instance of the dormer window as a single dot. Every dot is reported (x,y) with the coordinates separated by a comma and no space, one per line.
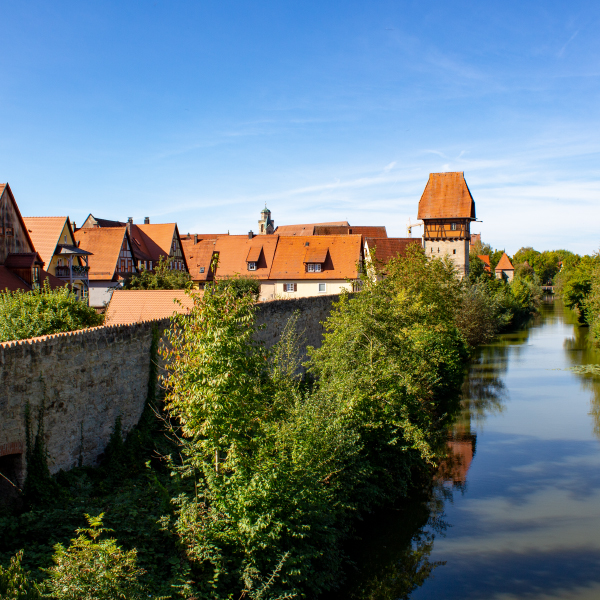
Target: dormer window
(251,266)
(314,267)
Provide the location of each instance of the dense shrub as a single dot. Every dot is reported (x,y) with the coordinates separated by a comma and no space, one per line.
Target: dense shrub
(241,286)
(16,583)
(42,312)
(163,277)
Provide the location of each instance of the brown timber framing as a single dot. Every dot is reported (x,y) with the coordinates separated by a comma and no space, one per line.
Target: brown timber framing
(441,229)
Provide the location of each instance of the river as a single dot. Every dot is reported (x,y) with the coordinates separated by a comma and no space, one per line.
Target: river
(516,512)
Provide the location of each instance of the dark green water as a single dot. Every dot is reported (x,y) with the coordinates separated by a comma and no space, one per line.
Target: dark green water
(516,513)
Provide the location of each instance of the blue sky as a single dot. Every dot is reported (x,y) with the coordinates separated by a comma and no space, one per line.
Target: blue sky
(200,112)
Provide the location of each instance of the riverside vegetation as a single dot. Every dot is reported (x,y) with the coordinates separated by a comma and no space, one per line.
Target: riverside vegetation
(251,473)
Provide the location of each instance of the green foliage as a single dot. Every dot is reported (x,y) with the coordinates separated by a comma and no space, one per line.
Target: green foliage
(16,583)
(39,487)
(545,265)
(163,277)
(42,312)
(576,284)
(280,468)
(94,569)
(241,286)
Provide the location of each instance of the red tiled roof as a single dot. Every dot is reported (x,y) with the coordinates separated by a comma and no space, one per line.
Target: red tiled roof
(315,254)
(446,196)
(254,254)
(364,230)
(201,236)
(53,282)
(486,261)
(198,258)
(45,234)
(23,260)
(343,256)
(307,229)
(105,244)
(9,281)
(154,239)
(504,264)
(388,248)
(233,251)
(134,306)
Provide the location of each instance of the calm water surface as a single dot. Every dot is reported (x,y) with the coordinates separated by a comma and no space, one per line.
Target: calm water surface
(516,514)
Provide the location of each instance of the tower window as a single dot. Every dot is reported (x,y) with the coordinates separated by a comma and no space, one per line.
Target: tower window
(453,251)
(453,226)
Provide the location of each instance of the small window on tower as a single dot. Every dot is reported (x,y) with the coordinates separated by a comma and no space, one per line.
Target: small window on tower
(453,226)
(453,251)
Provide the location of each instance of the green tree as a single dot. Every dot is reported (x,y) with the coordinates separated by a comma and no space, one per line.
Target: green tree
(93,569)
(163,277)
(241,286)
(42,312)
(16,583)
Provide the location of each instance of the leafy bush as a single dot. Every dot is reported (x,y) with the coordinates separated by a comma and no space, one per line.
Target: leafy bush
(16,583)
(93,569)
(282,467)
(241,286)
(162,278)
(42,312)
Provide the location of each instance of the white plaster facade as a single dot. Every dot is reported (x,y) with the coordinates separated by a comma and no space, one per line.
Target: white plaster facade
(304,288)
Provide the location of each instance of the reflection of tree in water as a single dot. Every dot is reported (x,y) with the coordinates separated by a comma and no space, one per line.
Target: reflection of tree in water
(584,356)
(392,550)
(393,547)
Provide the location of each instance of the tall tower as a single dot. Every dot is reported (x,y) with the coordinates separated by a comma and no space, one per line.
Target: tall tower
(265,224)
(447,209)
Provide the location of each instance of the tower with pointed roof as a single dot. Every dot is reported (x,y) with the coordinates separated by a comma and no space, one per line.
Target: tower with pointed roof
(265,224)
(447,209)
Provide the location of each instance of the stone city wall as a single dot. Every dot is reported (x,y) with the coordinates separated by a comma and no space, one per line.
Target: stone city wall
(87,378)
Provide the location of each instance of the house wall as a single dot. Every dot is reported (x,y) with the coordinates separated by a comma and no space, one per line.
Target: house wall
(87,378)
(306,288)
(456,250)
(508,272)
(54,261)
(101,293)
(17,242)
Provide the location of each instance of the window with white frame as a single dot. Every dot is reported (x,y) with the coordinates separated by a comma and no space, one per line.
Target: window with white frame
(251,266)
(322,287)
(314,267)
(290,287)
(201,269)
(453,226)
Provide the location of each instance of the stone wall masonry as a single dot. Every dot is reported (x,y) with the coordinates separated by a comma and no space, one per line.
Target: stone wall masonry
(88,378)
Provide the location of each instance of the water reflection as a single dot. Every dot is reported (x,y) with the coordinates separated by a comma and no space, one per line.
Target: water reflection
(581,350)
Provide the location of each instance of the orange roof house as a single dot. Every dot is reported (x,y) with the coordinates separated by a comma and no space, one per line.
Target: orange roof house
(309,266)
(149,241)
(447,208)
(111,260)
(248,256)
(505,268)
(364,230)
(21,267)
(135,306)
(54,239)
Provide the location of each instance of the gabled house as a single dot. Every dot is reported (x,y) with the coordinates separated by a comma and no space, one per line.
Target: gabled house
(309,266)
(505,268)
(367,231)
(21,267)
(150,242)
(54,240)
(485,259)
(110,261)
(447,209)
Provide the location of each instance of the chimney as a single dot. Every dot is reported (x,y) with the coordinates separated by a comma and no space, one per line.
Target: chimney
(146,220)
(74,226)
(250,234)
(195,238)
(130,220)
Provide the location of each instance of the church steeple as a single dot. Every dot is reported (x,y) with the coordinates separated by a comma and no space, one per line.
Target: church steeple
(265,224)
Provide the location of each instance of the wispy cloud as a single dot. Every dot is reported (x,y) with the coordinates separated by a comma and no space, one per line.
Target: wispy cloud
(562,50)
